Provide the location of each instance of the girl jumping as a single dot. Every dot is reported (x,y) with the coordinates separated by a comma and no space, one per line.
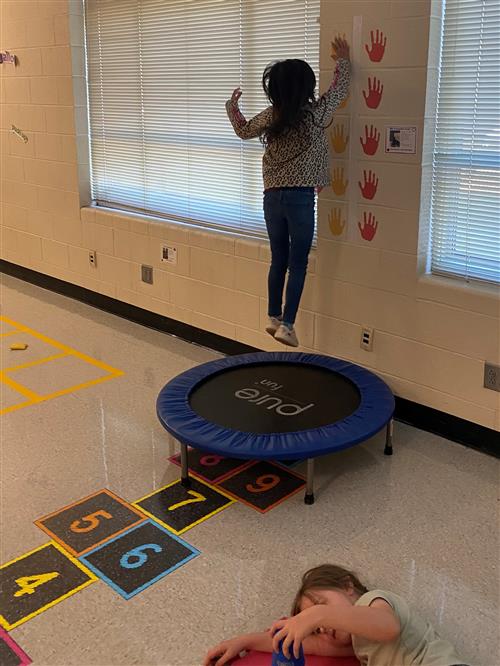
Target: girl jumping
(334,615)
(295,163)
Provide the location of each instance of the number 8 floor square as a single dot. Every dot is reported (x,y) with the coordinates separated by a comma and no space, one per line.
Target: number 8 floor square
(133,561)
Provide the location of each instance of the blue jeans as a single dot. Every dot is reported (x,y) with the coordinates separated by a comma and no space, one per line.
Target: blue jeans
(289,214)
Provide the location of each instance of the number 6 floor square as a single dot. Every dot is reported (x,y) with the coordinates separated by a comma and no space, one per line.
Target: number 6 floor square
(133,561)
(90,521)
(38,580)
(179,508)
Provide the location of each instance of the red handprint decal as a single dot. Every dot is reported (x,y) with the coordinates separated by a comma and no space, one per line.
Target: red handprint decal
(372,137)
(369,227)
(374,96)
(369,187)
(377,50)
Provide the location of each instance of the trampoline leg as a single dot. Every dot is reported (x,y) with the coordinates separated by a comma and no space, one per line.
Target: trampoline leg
(388,438)
(309,496)
(185,480)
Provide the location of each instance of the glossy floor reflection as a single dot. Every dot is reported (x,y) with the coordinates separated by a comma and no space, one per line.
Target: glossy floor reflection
(423,523)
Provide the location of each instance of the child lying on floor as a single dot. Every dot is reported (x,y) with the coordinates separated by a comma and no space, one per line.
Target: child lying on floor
(334,615)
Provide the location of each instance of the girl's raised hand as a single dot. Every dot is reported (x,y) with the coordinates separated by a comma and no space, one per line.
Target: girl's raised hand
(340,48)
(236,96)
(295,629)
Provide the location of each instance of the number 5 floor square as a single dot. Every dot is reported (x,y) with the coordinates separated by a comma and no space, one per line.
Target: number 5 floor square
(90,521)
(133,561)
(179,508)
(38,580)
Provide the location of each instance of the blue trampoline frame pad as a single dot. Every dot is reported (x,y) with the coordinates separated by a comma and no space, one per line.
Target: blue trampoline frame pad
(374,412)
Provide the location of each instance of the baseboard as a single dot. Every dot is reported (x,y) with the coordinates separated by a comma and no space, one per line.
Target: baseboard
(422,417)
(126,311)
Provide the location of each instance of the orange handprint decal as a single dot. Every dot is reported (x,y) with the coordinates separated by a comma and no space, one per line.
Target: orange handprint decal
(338,140)
(337,225)
(369,227)
(377,49)
(372,138)
(369,186)
(343,103)
(339,186)
(374,96)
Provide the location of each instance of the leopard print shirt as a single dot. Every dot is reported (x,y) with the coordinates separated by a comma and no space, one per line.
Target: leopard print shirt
(292,160)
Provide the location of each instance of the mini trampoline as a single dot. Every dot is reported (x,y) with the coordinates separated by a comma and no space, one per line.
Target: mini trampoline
(275,406)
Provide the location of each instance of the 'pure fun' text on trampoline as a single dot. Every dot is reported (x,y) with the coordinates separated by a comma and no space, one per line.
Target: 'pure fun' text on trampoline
(263,399)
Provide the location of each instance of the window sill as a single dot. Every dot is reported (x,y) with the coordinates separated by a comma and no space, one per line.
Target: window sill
(474,296)
(217,240)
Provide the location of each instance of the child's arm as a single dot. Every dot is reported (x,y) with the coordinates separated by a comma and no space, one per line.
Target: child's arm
(339,87)
(376,622)
(247,129)
(263,642)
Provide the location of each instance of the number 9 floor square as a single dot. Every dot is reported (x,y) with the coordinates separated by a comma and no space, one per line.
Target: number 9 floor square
(263,485)
(133,561)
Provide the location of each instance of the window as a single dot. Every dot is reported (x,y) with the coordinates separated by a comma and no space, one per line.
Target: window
(466,170)
(159,74)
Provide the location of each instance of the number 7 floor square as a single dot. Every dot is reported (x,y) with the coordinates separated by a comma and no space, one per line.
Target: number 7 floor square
(88,522)
(134,560)
(179,508)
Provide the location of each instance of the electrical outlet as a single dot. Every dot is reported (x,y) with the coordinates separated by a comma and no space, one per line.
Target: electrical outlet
(93,258)
(147,274)
(492,376)
(169,254)
(366,342)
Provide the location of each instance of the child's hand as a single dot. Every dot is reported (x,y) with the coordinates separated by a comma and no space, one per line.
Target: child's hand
(236,96)
(340,49)
(294,630)
(225,652)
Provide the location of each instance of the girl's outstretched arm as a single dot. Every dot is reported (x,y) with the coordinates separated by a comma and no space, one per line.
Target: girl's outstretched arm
(226,651)
(247,129)
(339,87)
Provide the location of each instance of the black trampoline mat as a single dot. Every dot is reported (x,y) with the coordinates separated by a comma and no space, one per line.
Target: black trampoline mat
(265,398)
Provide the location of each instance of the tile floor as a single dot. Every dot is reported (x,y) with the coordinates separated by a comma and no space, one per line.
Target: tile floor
(423,523)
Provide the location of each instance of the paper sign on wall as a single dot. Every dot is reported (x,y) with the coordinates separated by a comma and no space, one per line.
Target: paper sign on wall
(401,139)
(169,254)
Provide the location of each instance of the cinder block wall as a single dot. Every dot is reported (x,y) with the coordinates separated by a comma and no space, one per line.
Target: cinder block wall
(432,335)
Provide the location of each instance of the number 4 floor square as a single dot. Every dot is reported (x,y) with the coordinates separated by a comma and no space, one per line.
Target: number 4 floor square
(85,524)
(263,485)
(180,508)
(133,561)
(38,580)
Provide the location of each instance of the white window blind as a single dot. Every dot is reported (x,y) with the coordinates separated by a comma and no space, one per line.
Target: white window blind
(466,171)
(159,73)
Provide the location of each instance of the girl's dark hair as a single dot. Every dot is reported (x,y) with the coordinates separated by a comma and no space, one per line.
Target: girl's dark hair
(326,577)
(289,86)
